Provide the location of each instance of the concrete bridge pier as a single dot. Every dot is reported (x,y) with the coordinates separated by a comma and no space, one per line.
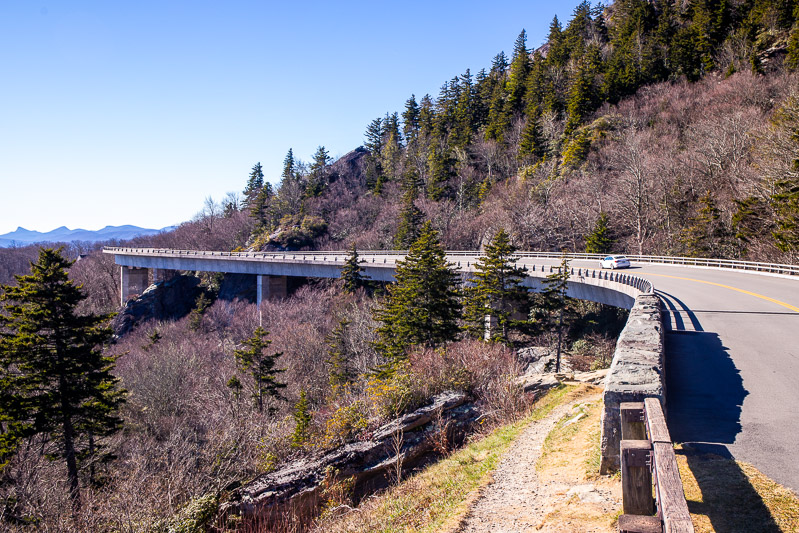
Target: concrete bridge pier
(271,288)
(134,281)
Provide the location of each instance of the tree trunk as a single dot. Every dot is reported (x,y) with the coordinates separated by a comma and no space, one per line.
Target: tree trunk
(69,455)
(560,340)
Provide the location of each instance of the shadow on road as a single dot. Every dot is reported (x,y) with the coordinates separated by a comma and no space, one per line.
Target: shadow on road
(705,391)
(728,499)
(674,321)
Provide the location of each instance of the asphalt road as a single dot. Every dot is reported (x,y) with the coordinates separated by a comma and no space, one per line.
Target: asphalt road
(732,363)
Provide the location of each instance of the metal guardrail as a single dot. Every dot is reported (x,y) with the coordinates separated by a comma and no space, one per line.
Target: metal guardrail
(733,264)
(638,283)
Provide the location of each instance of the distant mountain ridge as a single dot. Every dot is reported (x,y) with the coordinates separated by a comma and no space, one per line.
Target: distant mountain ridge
(24,237)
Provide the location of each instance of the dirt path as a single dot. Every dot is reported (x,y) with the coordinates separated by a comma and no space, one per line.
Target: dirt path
(519,500)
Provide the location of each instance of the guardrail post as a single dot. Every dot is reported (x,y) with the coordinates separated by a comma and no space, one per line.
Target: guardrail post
(633,425)
(636,477)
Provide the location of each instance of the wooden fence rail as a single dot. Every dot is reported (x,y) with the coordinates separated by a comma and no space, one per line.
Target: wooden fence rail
(648,462)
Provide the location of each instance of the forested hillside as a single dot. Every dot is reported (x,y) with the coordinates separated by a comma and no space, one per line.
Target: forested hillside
(672,120)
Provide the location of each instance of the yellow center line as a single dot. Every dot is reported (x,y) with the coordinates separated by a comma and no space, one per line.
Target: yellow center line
(756,295)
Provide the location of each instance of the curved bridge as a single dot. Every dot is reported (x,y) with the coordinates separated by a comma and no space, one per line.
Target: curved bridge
(732,333)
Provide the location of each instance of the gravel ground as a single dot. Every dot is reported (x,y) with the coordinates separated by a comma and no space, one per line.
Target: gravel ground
(516,500)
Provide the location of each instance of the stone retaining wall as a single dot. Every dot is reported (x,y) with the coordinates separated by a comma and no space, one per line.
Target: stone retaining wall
(637,372)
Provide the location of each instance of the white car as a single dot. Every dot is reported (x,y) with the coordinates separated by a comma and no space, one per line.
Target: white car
(614,262)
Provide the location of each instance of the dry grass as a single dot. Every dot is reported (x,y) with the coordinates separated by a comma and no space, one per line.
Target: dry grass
(438,498)
(570,458)
(731,496)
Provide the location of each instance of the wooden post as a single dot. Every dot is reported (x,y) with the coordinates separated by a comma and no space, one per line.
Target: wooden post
(633,426)
(636,477)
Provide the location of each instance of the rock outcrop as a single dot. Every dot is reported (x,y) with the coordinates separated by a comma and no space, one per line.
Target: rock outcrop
(297,486)
(165,300)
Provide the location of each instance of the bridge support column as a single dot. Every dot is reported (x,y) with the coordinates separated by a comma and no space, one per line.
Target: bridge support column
(134,281)
(271,288)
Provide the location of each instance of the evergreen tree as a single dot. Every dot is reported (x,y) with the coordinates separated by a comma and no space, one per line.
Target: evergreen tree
(340,370)
(517,76)
(497,291)
(56,382)
(261,208)
(440,168)
(302,421)
(553,310)
(410,119)
(706,236)
(599,241)
(785,199)
(254,184)
(289,166)
(391,152)
(253,360)
(792,58)
(352,273)
(533,143)
(584,94)
(464,119)
(411,218)
(422,307)
(374,165)
(317,179)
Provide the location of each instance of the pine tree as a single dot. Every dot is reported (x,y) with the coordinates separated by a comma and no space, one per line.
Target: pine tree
(584,95)
(410,221)
(599,241)
(56,381)
(374,166)
(783,173)
(289,166)
(254,184)
(261,208)
(553,307)
(517,76)
(352,273)
(317,179)
(422,307)
(706,236)
(533,143)
(340,370)
(439,164)
(497,291)
(302,420)
(253,360)
(410,119)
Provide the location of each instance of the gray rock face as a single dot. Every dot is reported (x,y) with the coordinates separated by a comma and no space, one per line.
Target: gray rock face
(297,486)
(170,299)
(238,287)
(636,373)
(540,360)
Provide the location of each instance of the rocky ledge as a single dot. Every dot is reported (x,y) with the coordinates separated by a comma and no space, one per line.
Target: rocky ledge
(297,487)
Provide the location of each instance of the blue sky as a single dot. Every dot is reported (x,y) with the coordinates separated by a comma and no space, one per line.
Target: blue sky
(118,113)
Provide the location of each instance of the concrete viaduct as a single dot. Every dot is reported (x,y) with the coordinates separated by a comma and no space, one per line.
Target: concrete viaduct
(726,350)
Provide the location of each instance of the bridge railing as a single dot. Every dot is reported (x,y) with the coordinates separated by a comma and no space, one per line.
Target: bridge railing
(734,264)
(638,283)
(647,462)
